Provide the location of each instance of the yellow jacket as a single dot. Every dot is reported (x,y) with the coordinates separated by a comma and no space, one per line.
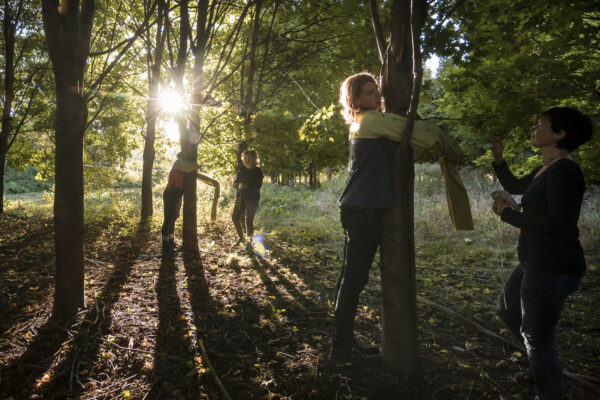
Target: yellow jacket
(426,138)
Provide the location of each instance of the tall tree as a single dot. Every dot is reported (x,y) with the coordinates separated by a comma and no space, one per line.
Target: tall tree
(19,34)
(155,59)
(401,80)
(509,60)
(211,18)
(68,28)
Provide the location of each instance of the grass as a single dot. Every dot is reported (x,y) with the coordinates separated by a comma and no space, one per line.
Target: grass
(266,322)
(296,211)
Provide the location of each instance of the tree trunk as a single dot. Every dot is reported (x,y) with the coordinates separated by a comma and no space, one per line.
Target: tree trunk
(250,100)
(68,31)
(400,80)
(9,79)
(189,234)
(71,115)
(152,114)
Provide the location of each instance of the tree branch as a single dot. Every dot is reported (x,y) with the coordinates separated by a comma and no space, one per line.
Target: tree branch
(378,32)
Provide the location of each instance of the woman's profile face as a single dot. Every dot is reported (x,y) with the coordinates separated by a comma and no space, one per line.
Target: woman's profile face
(369,98)
(542,134)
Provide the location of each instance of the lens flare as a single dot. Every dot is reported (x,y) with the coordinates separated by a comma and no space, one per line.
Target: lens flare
(259,246)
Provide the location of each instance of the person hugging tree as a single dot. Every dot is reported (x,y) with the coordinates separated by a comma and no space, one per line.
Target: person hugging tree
(248,183)
(172,199)
(369,192)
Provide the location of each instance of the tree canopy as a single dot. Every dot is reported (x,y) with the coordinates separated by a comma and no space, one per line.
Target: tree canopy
(271,75)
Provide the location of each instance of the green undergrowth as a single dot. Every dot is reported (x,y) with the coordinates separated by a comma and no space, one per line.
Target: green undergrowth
(304,222)
(301,214)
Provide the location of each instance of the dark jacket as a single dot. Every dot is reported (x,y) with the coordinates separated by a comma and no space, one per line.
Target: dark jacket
(253,179)
(549,238)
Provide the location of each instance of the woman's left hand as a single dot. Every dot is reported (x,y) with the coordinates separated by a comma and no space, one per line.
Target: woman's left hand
(499,206)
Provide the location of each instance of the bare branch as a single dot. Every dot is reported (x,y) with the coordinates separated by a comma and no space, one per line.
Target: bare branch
(377,28)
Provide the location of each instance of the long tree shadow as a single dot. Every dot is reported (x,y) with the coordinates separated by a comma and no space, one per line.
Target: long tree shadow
(27,257)
(84,335)
(229,327)
(204,312)
(263,340)
(312,321)
(18,378)
(174,364)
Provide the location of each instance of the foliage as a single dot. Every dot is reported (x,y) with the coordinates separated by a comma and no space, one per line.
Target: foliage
(24,181)
(513,60)
(276,140)
(324,139)
(505,62)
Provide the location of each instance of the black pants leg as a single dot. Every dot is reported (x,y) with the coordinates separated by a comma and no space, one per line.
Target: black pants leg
(172,207)
(251,208)
(363,231)
(239,210)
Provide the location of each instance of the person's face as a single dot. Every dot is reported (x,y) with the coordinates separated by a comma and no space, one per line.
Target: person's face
(369,98)
(542,134)
(249,162)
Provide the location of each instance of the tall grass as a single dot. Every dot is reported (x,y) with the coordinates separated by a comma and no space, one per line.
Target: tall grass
(303,213)
(296,211)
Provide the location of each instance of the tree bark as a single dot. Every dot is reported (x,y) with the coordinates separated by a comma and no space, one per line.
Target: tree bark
(152,113)
(189,234)
(68,32)
(9,27)
(250,100)
(400,87)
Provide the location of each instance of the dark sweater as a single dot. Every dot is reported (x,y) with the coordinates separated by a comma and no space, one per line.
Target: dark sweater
(253,179)
(549,238)
(370,182)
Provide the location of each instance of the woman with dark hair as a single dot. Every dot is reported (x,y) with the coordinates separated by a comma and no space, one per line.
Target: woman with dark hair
(550,255)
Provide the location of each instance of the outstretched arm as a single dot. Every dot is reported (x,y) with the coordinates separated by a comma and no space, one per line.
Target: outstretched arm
(214,183)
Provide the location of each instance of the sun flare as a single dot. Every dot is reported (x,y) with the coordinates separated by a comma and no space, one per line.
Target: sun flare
(171,130)
(170,101)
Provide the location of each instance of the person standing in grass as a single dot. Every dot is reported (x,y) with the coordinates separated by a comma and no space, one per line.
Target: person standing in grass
(368,193)
(551,258)
(248,183)
(172,199)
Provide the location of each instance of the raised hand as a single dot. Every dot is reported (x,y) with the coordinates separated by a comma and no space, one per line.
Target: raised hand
(497,148)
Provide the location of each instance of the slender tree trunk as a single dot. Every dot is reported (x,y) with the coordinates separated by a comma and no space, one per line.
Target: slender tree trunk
(189,147)
(9,80)
(400,85)
(152,114)
(68,32)
(250,100)
(148,159)
(71,116)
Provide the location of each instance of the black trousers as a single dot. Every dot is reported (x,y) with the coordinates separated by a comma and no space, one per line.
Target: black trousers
(243,216)
(363,230)
(172,199)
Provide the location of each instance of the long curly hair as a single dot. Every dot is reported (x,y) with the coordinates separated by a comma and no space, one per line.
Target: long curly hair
(350,90)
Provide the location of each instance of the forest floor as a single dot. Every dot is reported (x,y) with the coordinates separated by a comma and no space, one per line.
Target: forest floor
(255,324)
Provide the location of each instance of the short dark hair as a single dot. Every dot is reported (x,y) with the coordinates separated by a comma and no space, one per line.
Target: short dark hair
(577,126)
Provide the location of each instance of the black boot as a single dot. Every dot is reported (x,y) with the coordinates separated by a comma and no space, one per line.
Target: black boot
(342,355)
(365,349)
